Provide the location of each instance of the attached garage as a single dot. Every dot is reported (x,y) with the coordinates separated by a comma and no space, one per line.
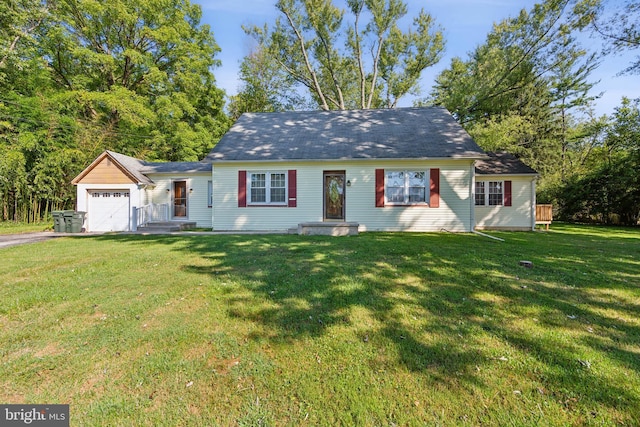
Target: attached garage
(121,193)
(109,189)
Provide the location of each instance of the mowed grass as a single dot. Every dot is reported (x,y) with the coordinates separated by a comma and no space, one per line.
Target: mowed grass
(375,329)
(10,227)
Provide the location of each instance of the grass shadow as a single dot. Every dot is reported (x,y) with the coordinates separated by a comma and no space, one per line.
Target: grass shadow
(449,306)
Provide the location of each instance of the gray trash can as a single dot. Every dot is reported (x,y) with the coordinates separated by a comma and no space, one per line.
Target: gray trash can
(68,216)
(58,221)
(77,220)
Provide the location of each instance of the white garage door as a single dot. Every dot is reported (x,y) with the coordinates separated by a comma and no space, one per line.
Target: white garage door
(109,210)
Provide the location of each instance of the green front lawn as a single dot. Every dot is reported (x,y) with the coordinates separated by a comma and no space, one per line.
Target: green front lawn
(376,329)
(11,227)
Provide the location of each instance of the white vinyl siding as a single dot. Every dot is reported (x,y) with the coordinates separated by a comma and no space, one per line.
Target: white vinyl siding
(518,216)
(454,213)
(198,208)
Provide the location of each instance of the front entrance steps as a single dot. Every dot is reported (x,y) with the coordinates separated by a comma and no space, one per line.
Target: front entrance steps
(328,228)
(166,227)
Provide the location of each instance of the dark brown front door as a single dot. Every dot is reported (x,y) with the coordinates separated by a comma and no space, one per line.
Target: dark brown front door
(334,196)
(179,199)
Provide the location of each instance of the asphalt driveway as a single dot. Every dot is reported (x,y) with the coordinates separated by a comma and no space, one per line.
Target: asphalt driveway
(7,240)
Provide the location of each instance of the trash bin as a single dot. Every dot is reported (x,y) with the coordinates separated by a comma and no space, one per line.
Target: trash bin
(77,219)
(68,216)
(58,221)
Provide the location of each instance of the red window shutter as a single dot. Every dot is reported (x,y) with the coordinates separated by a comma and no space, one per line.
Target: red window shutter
(379,188)
(242,189)
(434,189)
(293,189)
(507,193)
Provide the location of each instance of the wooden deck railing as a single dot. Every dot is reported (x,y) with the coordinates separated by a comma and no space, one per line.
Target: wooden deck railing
(544,214)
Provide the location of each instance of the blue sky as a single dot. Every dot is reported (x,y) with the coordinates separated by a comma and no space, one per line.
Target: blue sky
(466,24)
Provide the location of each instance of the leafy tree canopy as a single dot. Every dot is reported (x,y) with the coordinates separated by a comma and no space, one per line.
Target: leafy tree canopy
(82,76)
(515,91)
(619,29)
(366,61)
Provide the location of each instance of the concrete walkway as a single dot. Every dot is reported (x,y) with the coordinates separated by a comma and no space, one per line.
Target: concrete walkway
(206,233)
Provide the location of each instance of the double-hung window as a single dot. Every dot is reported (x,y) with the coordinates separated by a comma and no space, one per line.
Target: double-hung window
(267,188)
(489,193)
(406,187)
(480,193)
(495,193)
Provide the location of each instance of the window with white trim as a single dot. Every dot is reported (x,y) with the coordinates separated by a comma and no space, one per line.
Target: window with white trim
(489,193)
(210,193)
(267,188)
(406,187)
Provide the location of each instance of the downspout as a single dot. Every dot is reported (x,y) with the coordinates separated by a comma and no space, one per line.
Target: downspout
(213,204)
(486,235)
(472,196)
(533,203)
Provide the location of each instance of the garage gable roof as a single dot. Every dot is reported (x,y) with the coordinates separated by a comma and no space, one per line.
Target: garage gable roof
(403,133)
(137,170)
(129,166)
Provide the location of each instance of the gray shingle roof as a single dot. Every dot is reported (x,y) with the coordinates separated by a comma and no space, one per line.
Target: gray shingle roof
(404,133)
(503,164)
(132,165)
(176,167)
(140,168)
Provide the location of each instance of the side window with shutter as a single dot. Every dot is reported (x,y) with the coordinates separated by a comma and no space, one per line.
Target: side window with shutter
(242,189)
(267,188)
(407,187)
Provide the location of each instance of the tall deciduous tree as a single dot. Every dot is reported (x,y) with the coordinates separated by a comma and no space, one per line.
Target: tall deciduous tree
(314,44)
(607,189)
(570,88)
(141,66)
(624,133)
(514,90)
(620,29)
(19,21)
(81,76)
(519,52)
(265,87)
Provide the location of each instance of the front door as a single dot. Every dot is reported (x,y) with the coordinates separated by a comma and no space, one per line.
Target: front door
(334,195)
(179,199)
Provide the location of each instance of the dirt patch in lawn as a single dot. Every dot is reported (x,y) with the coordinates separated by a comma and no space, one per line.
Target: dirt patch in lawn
(51,349)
